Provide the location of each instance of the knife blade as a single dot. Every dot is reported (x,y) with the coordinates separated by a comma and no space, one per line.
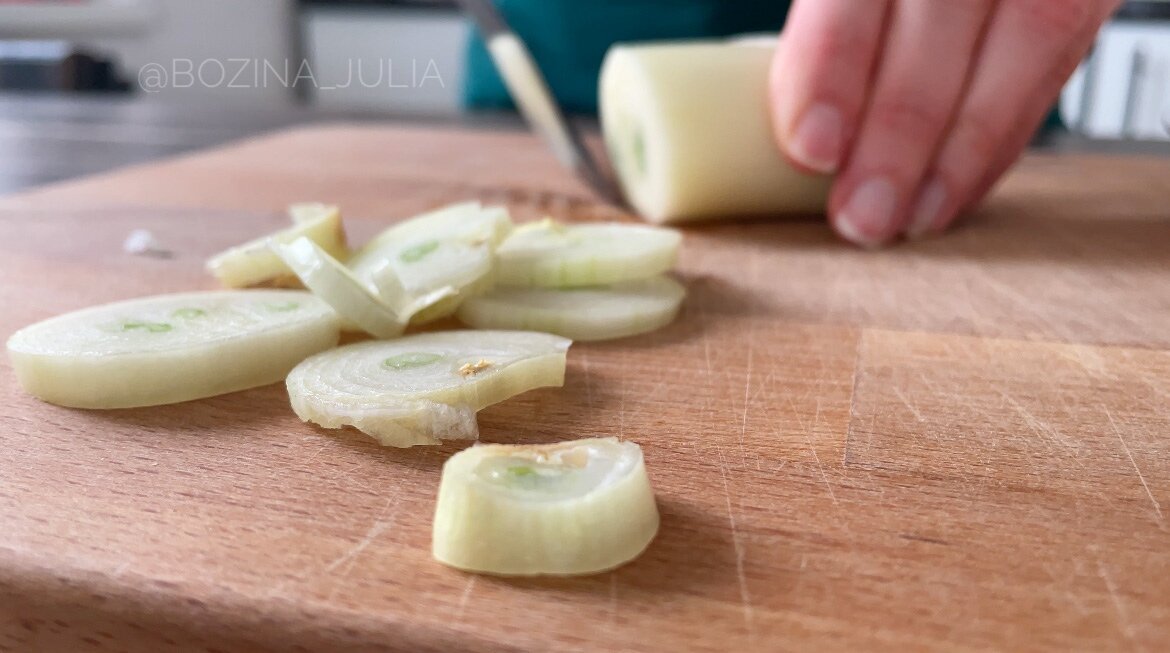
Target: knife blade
(531,93)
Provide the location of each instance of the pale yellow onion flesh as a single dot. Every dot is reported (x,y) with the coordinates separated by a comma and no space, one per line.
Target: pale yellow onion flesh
(302,212)
(254,263)
(424,388)
(353,300)
(452,247)
(570,508)
(170,348)
(688,129)
(549,254)
(593,313)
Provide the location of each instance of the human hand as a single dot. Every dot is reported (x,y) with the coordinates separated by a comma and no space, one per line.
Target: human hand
(920,106)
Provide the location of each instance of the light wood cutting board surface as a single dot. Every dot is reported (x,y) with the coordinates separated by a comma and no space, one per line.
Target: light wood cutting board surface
(957,444)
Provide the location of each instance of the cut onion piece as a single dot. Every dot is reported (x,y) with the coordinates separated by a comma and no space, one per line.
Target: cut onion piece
(170,348)
(425,388)
(451,247)
(303,212)
(571,508)
(592,313)
(666,111)
(553,255)
(254,263)
(353,300)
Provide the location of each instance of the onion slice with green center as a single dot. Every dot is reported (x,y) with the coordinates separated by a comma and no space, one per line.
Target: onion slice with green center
(254,263)
(553,255)
(593,313)
(425,388)
(451,247)
(170,348)
(571,508)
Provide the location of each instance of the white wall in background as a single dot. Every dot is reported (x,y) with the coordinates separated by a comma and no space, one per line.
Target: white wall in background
(389,60)
(212,31)
(1107,100)
(59,20)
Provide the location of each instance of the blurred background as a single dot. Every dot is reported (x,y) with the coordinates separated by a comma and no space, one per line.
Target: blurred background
(88,85)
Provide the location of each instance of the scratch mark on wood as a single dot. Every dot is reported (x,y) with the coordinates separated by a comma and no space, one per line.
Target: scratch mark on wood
(747,388)
(912,407)
(745,597)
(1141,477)
(377,528)
(1118,606)
(1040,427)
(314,455)
(853,397)
(821,470)
(465,597)
(795,414)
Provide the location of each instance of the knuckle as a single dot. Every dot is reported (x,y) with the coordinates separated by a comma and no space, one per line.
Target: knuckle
(977,142)
(909,114)
(972,8)
(839,45)
(1054,17)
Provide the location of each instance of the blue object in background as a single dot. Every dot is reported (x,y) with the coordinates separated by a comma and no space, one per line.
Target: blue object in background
(569,38)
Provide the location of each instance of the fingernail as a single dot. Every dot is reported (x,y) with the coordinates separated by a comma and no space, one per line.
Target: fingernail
(868,216)
(818,138)
(928,209)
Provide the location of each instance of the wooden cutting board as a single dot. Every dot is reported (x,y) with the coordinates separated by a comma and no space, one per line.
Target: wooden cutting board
(962,443)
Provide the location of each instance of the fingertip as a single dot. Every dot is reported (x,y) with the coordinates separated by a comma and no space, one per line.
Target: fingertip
(928,213)
(849,232)
(868,213)
(818,141)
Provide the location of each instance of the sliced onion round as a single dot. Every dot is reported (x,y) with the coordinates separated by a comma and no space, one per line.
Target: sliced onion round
(170,348)
(448,248)
(592,313)
(560,509)
(553,255)
(425,388)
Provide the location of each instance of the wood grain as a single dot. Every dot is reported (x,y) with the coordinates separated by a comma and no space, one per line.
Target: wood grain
(955,444)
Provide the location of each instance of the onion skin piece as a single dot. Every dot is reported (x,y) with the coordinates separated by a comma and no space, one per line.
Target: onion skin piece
(484,527)
(131,379)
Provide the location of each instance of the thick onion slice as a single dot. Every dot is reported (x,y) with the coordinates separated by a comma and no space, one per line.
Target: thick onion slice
(560,509)
(592,313)
(452,247)
(170,348)
(553,255)
(425,388)
(254,263)
(353,300)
